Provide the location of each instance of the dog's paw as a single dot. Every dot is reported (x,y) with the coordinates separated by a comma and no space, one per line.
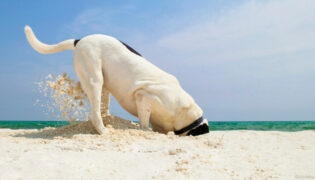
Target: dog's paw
(101,131)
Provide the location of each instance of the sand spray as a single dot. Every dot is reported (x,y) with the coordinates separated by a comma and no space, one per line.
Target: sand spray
(64,99)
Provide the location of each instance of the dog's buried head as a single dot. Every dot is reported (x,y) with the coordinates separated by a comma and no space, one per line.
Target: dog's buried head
(198,127)
(105,65)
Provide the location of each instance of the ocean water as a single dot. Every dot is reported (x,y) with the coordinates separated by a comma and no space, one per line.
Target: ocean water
(32,124)
(214,126)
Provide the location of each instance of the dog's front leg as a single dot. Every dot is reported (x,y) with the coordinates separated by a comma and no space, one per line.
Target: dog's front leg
(143,109)
(89,72)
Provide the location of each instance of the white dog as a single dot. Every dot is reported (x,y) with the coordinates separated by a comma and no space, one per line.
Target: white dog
(140,87)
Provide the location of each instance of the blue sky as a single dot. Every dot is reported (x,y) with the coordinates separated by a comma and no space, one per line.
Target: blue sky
(241,60)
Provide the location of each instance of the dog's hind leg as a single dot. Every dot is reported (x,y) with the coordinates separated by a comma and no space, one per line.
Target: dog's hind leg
(143,108)
(105,102)
(90,75)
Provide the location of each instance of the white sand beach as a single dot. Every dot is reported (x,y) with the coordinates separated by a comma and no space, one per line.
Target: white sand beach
(125,152)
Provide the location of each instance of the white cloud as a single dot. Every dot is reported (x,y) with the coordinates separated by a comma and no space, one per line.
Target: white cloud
(90,21)
(254,29)
(116,22)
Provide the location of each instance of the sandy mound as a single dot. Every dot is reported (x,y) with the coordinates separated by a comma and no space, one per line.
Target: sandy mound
(112,123)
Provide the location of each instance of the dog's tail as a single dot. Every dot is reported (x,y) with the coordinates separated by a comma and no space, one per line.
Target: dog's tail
(45,48)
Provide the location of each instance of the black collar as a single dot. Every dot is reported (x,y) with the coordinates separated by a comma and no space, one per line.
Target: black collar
(192,126)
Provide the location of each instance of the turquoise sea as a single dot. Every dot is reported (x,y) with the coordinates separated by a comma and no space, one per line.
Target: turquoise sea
(214,126)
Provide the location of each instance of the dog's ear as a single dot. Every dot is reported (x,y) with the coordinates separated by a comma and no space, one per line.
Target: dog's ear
(202,129)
